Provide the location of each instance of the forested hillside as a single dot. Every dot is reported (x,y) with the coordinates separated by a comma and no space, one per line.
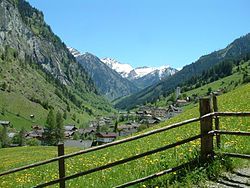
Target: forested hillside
(238,49)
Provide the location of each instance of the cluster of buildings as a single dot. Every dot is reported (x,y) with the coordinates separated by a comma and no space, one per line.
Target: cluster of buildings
(145,115)
(132,122)
(152,114)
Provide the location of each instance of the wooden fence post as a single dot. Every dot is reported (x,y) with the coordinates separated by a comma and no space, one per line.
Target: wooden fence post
(216,120)
(206,125)
(61,164)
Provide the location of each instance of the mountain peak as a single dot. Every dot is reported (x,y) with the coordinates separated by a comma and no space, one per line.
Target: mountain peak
(122,69)
(74,52)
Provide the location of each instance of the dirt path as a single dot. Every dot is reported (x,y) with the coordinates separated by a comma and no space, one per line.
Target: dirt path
(238,178)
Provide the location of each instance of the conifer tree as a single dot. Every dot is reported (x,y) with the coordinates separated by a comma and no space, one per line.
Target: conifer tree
(116,126)
(59,135)
(49,132)
(4,137)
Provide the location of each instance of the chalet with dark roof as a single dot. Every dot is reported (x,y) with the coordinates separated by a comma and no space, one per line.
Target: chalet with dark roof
(128,129)
(70,128)
(90,131)
(38,134)
(105,137)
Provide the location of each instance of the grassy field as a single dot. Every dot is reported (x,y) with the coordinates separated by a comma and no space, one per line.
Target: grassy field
(25,84)
(17,109)
(237,100)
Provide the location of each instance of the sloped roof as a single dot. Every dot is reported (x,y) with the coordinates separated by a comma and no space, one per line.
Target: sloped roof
(106,135)
(70,127)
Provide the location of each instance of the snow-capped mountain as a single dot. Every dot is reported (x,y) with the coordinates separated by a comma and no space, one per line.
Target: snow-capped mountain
(108,82)
(162,72)
(141,76)
(127,71)
(141,71)
(122,69)
(74,52)
(149,76)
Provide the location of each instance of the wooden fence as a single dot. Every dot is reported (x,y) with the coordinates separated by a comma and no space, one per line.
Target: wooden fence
(207,114)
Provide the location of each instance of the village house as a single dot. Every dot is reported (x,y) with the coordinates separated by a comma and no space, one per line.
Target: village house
(159,112)
(105,137)
(69,134)
(128,129)
(181,102)
(37,132)
(140,113)
(87,132)
(151,121)
(173,111)
(145,111)
(69,130)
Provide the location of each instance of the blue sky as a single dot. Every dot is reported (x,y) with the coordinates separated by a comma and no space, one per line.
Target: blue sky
(147,32)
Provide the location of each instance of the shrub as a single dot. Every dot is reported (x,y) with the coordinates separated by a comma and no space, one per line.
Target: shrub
(246,79)
(33,142)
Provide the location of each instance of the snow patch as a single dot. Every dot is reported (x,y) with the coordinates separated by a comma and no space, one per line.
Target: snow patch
(74,52)
(123,69)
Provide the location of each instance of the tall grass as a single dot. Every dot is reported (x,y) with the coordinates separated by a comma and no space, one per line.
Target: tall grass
(237,100)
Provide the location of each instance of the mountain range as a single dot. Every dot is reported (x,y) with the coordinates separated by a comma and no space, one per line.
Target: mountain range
(107,81)
(114,79)
(142,77)
(238,48)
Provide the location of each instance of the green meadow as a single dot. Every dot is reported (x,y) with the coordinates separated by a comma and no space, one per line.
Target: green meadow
(236,100)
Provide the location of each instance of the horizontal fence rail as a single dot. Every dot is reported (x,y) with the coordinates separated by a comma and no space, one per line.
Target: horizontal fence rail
(122,161)
(236,133)
(237,155)
(236,114)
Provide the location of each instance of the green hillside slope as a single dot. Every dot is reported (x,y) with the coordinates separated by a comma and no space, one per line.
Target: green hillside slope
(240,74)
(236,50)
(236,100)
(37,72)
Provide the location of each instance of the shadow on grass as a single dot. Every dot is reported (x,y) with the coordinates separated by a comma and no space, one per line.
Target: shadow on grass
(195,172)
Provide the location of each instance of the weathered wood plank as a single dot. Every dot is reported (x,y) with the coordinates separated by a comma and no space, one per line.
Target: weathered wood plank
(61,164)
(237,155)
(243,114)
(236,133)
(206,125)
(216,120)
